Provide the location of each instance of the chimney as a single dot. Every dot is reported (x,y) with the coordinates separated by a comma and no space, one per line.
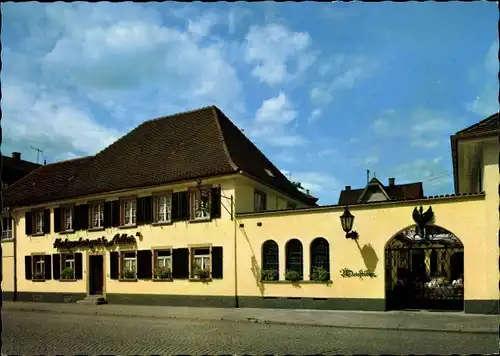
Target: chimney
(307,191)
(391,182)
(347,187)
(16,156)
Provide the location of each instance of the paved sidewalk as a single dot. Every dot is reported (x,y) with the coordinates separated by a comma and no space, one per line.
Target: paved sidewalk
(393,320)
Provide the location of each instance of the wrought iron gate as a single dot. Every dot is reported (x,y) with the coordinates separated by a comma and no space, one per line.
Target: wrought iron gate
(425,273)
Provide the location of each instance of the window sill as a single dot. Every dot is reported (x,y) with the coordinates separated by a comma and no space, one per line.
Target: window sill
(8,240)
(128,280)
(199,220)
(65,232)
(67,280)
(96,229)
(163,280)
(127,226)
(200,279)
(162,223)
(37,234)
(297,282)
(38,280)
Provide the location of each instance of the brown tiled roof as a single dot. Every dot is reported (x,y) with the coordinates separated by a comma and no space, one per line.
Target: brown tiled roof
(490,124)
(43,183)
(18,165)
(396,192)
(191,145)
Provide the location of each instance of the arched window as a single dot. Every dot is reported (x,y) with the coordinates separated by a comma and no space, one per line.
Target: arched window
(320,256)
(294,257)
(270,260)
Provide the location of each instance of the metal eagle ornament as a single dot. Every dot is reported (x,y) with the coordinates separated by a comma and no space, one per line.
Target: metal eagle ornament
(421,220)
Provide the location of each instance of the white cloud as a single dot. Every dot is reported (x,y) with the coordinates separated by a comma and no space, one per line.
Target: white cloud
(315,114)
(486,103)
(343,72)
(136,60)
(272,123)
(106,66)
(315,182)
(276,110)
(202,26)
(371,160)
(423,128)
(51,121)
(278,54)
(429,172)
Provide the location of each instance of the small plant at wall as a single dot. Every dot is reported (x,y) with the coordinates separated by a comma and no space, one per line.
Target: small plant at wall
(320,274)
(269,274)
(292,276)
(201,273)
(38,275)
(67,273)
(163,273)
(128,274)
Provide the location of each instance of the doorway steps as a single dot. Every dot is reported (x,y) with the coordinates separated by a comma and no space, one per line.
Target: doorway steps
(93,299)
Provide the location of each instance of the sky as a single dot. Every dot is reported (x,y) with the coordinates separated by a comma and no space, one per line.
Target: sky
(327,91)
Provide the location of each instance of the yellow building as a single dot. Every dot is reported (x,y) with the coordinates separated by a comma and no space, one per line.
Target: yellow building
(185,210)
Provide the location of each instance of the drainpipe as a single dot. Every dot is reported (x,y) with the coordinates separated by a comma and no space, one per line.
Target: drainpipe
(14,235)
(233,217)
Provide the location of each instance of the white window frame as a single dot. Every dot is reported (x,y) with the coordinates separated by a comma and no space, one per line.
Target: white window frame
(67,216)
(259,201)
(203,257)
(8,228)
(129,208)
(125,259)
(65,260)
(35,264)
(198,212)
(97,210)
(163,202)
(167,260)
(38,222)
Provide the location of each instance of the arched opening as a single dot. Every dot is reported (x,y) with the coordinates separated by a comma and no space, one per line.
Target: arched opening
(294,257)
(320,259)
(424,272)
(270,261)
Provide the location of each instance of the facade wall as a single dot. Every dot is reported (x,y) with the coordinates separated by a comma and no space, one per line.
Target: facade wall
(182,234)
(376,225)
(245,189)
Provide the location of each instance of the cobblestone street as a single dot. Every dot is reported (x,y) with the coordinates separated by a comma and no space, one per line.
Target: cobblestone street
(49,333)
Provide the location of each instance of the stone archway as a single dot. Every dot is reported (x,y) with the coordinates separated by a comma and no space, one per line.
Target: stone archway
(424,272)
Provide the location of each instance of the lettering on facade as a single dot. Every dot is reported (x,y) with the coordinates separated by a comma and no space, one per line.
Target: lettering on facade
(349,273)
(118,239)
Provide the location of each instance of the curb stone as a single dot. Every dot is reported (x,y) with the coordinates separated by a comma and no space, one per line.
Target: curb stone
(255,321)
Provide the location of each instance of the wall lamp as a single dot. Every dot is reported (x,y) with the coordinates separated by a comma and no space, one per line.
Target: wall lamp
(347,220)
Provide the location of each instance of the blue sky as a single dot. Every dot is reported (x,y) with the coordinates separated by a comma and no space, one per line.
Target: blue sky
(326,91)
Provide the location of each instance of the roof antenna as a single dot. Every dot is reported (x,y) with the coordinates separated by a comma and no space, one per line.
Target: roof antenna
(38,151)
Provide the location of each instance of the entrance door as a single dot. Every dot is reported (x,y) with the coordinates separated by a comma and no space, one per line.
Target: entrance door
(425,273)
(96,277)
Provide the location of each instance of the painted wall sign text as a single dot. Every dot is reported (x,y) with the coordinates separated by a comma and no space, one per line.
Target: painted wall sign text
(101,242)
(349,273)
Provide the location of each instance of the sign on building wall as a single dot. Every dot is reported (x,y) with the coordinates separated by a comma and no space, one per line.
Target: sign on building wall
(349,273)
(118,239)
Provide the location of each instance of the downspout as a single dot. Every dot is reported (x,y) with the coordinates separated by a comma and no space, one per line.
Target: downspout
(14,235)
(233,217)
